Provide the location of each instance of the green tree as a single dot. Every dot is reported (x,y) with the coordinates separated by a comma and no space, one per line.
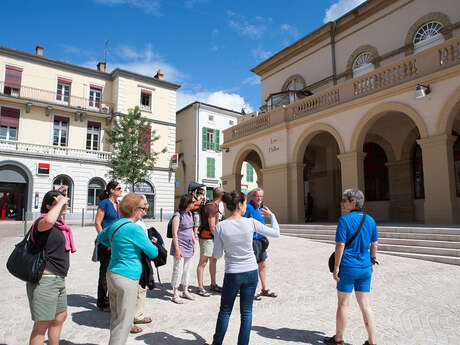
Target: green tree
(133,157)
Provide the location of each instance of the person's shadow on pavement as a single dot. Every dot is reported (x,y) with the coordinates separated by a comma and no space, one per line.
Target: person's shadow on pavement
(164,338)
(290,334)
(160,292)
(91,317)
(68,342)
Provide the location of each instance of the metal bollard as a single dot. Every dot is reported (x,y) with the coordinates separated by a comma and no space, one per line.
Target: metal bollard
(24,221)
(161,214)
(82,217)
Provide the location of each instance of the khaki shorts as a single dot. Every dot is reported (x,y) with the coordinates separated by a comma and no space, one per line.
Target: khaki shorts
(206,247)
(47,298)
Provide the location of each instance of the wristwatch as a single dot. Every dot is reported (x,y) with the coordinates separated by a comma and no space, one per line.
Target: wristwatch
(374,261)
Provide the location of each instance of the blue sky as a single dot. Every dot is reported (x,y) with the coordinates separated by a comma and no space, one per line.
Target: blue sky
(207,46)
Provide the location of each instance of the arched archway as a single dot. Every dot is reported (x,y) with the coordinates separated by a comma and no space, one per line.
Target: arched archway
(66,182)
(16,186)
(148,190)
(95,187)
(252,155)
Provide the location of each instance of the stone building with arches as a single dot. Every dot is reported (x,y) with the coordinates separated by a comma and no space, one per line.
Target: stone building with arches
(370,101)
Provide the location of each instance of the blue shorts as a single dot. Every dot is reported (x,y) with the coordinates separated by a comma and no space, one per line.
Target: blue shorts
(353,277)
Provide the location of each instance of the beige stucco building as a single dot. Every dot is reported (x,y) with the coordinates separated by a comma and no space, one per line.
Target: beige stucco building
(370,101)
(54,116)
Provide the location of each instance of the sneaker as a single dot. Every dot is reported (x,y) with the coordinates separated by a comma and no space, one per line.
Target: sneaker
(332,341)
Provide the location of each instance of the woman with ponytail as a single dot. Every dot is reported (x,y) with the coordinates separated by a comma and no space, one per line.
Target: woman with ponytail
(107,213)
(233,236)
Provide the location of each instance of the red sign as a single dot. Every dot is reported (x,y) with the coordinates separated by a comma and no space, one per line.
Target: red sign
(43,169)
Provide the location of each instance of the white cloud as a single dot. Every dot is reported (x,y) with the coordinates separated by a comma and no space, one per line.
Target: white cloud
(339,8)
(222,99)
(291,30)
(243,27)
(252,80)
(261,54)
(149,6)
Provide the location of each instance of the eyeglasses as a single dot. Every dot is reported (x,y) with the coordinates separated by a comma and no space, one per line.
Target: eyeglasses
(144,208)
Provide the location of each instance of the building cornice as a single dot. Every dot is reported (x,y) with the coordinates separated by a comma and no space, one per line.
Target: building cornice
(211,107)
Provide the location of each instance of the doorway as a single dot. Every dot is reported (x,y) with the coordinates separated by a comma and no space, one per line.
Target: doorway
(9,205)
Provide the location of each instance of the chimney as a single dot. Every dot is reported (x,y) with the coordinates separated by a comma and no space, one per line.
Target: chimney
(159,75)
(39,50)
(101,66)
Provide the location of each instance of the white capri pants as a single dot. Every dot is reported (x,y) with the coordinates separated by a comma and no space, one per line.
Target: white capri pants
(181,271)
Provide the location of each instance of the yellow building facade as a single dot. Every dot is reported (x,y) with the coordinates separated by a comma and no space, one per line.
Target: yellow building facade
(54,116)
(370,101)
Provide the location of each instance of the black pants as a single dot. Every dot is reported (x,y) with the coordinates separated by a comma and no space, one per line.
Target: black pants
(104,260)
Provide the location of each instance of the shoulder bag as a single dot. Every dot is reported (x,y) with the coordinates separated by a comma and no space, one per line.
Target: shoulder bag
(28,260)
(331,261)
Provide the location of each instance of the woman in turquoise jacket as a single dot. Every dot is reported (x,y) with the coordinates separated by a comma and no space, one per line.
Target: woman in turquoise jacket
(127,241)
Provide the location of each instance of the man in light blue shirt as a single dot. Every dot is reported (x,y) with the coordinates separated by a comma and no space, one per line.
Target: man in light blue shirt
(253,210)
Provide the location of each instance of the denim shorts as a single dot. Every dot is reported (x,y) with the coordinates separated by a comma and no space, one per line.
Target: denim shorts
(354,277)
(261,255)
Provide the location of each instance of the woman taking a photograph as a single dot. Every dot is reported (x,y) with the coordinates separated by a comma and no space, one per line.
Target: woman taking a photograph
(354,265)
(182,248)
(233,236)
(127,241)
(108,211)
(48,299)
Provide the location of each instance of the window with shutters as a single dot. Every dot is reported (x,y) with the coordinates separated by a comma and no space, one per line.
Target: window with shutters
(93,135)
(209,193)
(146,136)
(9,123)
(211,139)
(13,77)
(249,173)
(210,167)
(60,131)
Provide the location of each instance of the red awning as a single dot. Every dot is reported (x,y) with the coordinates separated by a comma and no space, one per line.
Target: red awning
(13,76)
(92,86)
(64,80)
(9,117)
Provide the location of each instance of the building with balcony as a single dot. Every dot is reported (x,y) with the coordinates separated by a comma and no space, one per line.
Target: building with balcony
(198,140)
(53,119)
(369,101)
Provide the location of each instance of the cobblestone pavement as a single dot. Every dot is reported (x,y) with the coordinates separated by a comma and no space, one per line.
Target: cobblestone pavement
(415,302)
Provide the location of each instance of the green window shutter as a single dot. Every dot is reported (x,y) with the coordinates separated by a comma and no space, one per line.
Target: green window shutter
(209,193)
(249,173)
(205,139)
(210,167)
(213,169)
(217,140)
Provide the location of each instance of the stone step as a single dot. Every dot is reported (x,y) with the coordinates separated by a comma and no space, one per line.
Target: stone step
(381,230)
(419,250)
(441,259)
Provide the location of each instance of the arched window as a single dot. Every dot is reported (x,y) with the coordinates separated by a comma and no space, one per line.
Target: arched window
(149,191)
(95,187)
(375,173)
(427,36)
(66,182)
(294,83)
(419,184)
(363,64)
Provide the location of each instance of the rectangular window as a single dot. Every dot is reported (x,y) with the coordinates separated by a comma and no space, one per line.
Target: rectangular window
(9,122)
(93,135)
(13,77)
(210,139)
(60,131)
(63,90)
(146,100)
(211,117)
(230,122)
(210,167)
(249,173)
(95,96)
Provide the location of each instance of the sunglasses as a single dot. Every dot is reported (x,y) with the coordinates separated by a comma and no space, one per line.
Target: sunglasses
(144,209)
(118,188)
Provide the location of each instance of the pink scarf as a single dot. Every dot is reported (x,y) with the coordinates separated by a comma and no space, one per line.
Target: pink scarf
(66,232)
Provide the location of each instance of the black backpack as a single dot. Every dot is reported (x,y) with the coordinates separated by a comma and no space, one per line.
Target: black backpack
(169,229)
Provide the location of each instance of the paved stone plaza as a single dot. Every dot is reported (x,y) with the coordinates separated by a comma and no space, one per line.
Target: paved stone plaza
(415,302)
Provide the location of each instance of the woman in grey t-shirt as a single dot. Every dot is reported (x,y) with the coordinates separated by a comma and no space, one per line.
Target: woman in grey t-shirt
(233,236)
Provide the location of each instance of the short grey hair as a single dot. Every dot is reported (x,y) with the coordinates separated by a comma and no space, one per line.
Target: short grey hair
(251,193)
(355,194)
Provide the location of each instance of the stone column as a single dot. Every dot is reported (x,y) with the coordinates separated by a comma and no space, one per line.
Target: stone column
(276,191)
(439,179)
(231,182)
(296,193)
(401,186)
(352,170)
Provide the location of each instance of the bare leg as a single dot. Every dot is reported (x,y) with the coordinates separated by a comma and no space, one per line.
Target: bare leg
(199,270)
(37,337)
(364,302)
(343,302)
(54,331)
(262,274)
(212,270)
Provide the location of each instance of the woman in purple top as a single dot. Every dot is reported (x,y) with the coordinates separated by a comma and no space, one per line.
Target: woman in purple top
(182,247)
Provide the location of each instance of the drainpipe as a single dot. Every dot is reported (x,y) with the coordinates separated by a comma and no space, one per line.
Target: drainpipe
(334,70)
(199,135)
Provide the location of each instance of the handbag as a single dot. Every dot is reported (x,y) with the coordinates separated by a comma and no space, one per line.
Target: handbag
(28,260)
(265,243)
(162,257)
(331,261)
(95,256)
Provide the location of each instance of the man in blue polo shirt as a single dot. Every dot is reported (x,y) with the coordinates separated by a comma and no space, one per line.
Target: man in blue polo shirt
(253,210)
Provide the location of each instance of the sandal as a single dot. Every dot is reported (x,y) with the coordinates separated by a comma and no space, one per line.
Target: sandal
(146,319)
(268,293)
(257,297)
(135,329)
(216,288)
(177,300)
(332,341)
(186,295)
(203,293)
